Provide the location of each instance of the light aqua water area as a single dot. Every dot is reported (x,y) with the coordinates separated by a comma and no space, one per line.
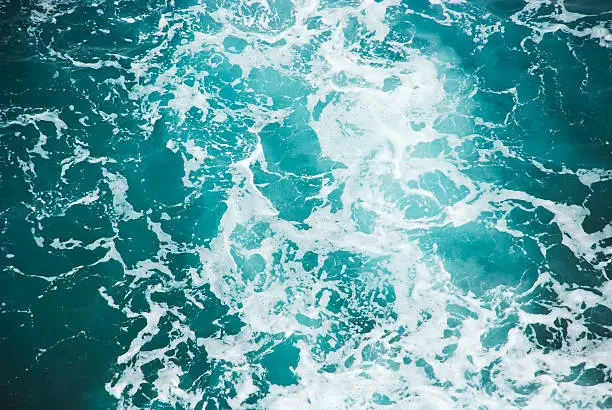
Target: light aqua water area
(305,204)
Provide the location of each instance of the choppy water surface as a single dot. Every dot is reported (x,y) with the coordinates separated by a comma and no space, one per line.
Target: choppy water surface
(305,204)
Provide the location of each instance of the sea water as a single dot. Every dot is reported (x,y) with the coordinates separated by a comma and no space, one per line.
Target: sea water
(305,204)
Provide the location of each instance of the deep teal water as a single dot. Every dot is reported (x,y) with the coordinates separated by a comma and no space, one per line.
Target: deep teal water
(305,204)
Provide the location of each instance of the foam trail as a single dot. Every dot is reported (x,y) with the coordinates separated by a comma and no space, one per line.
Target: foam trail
(313,203)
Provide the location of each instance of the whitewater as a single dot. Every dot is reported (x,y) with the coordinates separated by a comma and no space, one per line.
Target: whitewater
(306,204)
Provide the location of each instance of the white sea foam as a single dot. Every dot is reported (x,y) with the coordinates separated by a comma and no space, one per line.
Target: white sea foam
(561,20)
(404,361)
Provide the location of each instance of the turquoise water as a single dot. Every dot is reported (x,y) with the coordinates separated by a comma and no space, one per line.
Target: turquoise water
(305,204)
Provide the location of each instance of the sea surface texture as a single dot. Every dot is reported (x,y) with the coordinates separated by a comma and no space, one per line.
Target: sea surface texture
(305,204)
